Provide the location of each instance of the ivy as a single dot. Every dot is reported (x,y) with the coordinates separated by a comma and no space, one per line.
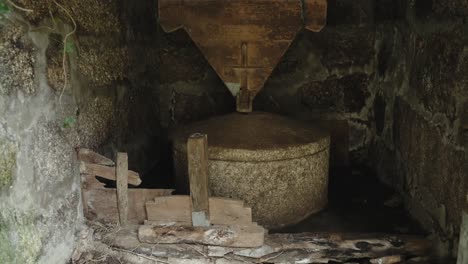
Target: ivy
(69,122)
(4,8)
(69,47)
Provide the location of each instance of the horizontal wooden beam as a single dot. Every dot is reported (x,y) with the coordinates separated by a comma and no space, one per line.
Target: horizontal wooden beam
(108,172)
(231,236)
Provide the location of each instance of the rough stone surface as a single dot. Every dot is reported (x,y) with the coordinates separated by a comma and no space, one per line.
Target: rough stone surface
(347,94)
(278,166)
(428,163)
(102,64)
(92,17)
(8,151)
(16,60)
(418,117)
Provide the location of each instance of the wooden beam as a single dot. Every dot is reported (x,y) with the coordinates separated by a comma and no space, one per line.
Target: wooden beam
(122,187)
(197,156)
(108,172)
(176,209)
(92,157)
(232,236)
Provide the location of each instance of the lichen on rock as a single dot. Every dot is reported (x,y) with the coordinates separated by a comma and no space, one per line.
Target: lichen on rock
(20,240)
(8,152)
(16,59)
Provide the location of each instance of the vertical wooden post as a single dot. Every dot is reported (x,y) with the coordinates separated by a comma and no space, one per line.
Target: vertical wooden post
(197,156)
(463,247)
(122,187)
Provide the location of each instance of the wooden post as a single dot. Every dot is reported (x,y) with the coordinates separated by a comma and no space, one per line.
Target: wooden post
(463,247)
(197,156)
(122,187)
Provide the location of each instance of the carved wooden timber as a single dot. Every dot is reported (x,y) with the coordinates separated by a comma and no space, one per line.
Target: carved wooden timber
(243,40)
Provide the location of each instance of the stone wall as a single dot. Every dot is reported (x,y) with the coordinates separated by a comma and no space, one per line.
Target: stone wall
(41,123)
(419,115)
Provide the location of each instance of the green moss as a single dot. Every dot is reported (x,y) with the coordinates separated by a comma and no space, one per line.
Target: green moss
(8,152)
(20,240)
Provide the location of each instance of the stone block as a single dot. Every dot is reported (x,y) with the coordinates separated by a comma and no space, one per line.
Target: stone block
(347,94)
(16,60)
(180,59)
(91,17)
(429,163)
(439,71)
(344,46)
(101,64)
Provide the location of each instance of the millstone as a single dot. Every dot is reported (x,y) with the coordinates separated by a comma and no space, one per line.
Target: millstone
(277,165)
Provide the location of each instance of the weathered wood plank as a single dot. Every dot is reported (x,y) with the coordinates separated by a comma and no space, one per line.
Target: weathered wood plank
(108,172)
(92,157)
(100,204)
(177,209)
(197,156)
(122,187)
(232,236)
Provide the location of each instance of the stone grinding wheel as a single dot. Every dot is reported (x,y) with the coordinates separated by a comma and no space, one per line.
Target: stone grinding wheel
(277,165)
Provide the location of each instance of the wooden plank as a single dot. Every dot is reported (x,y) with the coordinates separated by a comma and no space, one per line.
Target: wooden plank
(177,209)
(92,157)
(108,172)
(315,14)
(197,156)
(99,203)
(232,236)
(122,187)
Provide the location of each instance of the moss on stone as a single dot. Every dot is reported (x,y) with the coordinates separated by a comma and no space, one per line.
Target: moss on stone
(8,152)
(20,240)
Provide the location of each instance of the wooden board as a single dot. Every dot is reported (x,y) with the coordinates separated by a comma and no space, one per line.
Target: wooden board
(232,236)
(108,172)
(122,187)
(197,156)
(177,209)
(100,203)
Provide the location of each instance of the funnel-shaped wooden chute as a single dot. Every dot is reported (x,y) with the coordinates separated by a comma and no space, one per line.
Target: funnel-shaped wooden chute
(243,40)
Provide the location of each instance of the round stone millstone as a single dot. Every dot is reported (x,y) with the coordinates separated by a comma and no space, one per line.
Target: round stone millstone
(276,165)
